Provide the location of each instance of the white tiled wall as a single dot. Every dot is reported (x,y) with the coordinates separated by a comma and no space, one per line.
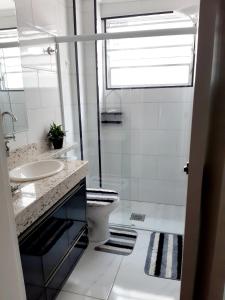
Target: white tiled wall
(16,98)
(14,101)
(38,19)
(40,79)
(151,146)
(144,157)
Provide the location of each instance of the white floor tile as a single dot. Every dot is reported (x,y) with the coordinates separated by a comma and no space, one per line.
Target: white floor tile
(133,284)
(94,275)
(159,217)
(113,277)
(71,296)
(121,215)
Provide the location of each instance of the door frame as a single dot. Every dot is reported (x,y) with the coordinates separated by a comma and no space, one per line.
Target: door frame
(207,130)
(11,276)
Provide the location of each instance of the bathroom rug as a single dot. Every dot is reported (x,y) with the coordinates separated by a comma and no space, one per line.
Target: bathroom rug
(121,241)
(164,257)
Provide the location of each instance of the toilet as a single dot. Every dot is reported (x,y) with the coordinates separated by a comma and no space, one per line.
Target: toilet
(100,204)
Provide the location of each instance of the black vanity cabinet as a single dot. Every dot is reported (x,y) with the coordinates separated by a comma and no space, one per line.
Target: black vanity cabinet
(51,247)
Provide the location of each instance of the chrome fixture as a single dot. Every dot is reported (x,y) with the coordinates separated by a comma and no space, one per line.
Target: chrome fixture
(50,50)
(9,137)
(14,118)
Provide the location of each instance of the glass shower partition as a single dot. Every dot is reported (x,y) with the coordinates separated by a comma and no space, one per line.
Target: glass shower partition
(136,140)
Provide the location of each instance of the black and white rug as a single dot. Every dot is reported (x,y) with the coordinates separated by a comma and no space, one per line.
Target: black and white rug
(164,257)
(121,241)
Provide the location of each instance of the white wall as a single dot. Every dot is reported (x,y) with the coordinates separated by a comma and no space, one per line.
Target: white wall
(130,7)
(144,157)
(42,19)
(8,20)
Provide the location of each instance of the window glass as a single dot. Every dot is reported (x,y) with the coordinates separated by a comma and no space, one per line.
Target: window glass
(149,61)
(11,76)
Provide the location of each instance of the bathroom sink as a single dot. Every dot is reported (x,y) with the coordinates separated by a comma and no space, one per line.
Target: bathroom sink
(36,170)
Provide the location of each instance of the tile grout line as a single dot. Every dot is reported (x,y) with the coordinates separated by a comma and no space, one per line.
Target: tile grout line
(91,297)
(145,229)
(155,203)
(122,258)
(73,293)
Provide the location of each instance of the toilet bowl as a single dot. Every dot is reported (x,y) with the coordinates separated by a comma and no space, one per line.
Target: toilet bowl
(100,204)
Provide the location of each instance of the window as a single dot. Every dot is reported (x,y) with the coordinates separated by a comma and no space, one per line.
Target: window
(149,61)
(11,77)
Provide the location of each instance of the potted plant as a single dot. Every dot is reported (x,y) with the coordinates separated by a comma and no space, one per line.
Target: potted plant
(56,135)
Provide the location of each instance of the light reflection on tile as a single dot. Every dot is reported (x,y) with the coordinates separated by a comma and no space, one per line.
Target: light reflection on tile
(134,294)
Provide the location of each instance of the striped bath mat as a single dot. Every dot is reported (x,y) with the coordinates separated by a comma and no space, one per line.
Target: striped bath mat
(164,258)
(121,241)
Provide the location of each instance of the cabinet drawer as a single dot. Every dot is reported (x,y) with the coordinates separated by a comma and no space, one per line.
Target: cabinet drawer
(45,244)
(56,283)
(44,249)
(35,292)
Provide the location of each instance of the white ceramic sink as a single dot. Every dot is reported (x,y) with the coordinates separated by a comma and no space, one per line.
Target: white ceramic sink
(36,170)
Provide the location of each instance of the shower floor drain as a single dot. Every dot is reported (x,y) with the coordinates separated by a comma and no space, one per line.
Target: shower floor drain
(137,217)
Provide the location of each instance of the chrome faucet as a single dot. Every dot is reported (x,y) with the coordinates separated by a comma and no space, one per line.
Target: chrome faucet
(9,137)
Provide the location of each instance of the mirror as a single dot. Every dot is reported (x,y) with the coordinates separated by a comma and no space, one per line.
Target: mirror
(12,97)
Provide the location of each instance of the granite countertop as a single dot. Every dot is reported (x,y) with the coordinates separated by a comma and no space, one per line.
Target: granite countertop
(34,198)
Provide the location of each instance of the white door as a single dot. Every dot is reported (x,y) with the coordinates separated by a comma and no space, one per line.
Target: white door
(11,278)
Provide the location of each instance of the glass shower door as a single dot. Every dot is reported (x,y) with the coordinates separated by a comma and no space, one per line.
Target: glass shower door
(136,142)
(144,155)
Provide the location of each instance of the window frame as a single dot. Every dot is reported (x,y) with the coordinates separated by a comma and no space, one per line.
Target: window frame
(106,75)
(12,90)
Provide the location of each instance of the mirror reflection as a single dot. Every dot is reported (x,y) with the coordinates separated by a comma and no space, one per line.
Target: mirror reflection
(12,97)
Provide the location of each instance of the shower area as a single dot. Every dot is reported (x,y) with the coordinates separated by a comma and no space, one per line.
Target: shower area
(127,96)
